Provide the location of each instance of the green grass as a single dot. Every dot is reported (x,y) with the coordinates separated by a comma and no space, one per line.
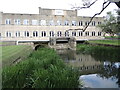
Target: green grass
(43,69)
(107,37)
(7,43)
(11,53)
(110,42)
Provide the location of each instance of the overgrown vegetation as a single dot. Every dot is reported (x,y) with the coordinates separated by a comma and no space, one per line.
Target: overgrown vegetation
(43,69)
(100,52)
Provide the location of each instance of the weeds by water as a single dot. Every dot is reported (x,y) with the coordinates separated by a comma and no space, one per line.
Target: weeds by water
(100,52)
(43,69)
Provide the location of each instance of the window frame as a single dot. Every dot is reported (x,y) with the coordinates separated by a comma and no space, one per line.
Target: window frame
(25,22)
(26,33)
(59,22)
(87,33)
(43,22)
(59,33)
(93,23)
(93,33)
(99,33)
(51,33)
(17,22)
(66,23)
(67,34)
(80,33)
(7,21)
(43,33)
(74,33)
(34,22)
(74,23)
(8,34)
(80,23)
(51,22)
(17,34)
(35,33)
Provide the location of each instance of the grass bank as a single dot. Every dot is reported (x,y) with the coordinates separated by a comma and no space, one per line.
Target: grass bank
(43,69)
(11,54)
(112,37)
(107,42)
(100,52)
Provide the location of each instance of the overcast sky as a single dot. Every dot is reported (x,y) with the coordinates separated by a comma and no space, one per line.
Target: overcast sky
(31,6)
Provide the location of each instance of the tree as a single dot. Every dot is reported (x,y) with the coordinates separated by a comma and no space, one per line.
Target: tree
(89,3)
(110,25)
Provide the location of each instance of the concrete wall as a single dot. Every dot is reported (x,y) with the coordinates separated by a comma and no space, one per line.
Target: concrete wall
(52,12)
(47,29)
(0,18)
(48,15)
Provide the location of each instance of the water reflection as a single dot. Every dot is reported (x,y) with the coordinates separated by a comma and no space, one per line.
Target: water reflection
(94,81)
(93,72)
(86,63)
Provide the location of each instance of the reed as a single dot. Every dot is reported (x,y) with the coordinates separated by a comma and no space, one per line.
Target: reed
(100,52)
(43,69)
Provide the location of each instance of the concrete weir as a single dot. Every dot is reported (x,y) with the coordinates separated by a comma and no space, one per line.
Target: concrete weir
(63,43)
(53,42)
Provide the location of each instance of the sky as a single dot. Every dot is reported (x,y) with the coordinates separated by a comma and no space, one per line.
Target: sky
(31,6)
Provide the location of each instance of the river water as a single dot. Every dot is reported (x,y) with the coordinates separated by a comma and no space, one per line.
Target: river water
(95,73)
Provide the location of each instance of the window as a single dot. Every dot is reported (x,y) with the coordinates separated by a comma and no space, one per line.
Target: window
(59,33)
(34,22)
(59,22)
(99,33)
(99,23)
(35,34)
(73,33)
(43,22)
(51,22)
(17,34)
(80,33)
(43,33)
(26,34)
(17,21)
(66,33)
(86,23)
(93,23)
(8,21)
(51,33)
(87,33)
(25,22)
(73,23)
(93,33)
(80,23)
(8,34)
(66,23)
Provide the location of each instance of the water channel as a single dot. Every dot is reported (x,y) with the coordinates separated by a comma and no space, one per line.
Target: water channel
(95,73)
